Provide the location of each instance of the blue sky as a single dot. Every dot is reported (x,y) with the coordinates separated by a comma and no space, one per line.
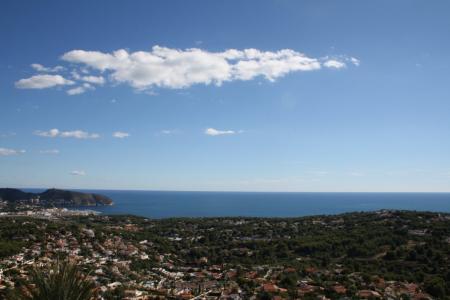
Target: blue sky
(225,95)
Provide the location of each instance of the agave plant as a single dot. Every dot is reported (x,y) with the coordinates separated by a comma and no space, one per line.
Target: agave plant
(63,281)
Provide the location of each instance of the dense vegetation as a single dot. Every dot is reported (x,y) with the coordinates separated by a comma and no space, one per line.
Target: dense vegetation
(53,197)
(388,246)
(63,281)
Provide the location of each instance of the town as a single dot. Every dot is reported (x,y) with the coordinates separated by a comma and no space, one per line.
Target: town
(379,255)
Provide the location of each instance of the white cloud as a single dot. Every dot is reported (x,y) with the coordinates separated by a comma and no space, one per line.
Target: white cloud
(78,134)
(120,134)
(50,151)
(163,67)
(9,152)
(174,68)
(78,173)
(75,75)
(42,82)
(169,132)
(51,133)
(41,68)
(94,79)
(80,89)
(334,64)
(216,132)
(355,61)
(76,91)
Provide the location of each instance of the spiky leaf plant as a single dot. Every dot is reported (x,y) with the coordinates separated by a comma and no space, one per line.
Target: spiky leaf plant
(63,281)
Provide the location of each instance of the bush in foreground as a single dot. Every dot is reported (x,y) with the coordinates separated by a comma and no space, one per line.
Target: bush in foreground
(63,281)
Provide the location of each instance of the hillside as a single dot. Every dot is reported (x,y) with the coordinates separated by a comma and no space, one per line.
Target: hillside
(54,197)
(373,255)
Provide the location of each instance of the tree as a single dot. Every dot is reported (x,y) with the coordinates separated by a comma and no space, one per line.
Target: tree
(63,281)
(435,286)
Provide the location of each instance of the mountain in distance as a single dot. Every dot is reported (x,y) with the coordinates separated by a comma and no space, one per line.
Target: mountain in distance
(55,197)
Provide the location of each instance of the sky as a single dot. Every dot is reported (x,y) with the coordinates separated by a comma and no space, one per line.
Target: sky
(314,96)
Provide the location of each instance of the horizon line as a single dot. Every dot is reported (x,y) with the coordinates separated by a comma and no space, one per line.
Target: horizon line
(235,191)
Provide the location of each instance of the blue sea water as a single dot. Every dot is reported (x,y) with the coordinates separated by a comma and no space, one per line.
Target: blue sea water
(164,204)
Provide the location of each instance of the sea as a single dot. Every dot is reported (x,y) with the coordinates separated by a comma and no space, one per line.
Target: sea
(168,204)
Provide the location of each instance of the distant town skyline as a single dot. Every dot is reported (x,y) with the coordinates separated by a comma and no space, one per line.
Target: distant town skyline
(315,96)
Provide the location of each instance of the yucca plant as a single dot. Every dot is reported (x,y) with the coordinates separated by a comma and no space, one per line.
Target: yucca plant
(63,281)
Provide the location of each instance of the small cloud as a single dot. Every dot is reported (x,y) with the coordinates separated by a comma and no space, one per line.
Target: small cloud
(10,152)
(120,134)
(334,64)
(78,173)
(78,134)
(113,100)
(41,68)
(50,151)
(216,132)
(169,132)
(42,82)
(355,61)
(94,79)
(51,133)
(80,89)
(76,91)
(75,75)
